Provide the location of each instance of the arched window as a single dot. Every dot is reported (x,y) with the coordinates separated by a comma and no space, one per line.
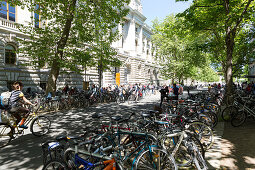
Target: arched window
(136,45)
(10,54)
(7,11)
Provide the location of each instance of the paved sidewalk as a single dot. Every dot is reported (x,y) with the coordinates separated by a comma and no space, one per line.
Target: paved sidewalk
(213,155)
(238,147)
(25,153)
(234,148)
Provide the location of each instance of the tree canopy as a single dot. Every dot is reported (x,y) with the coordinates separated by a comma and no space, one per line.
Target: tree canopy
(182,51)
(228,25)
(71,33)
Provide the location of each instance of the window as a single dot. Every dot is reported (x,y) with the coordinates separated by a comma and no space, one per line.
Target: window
(43,85)
(9,85)
(116,70)
(7,11)
(136,29)
(10,54)
(37,17)
(136,45)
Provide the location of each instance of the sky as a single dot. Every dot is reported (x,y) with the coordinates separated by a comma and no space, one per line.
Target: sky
(161,8)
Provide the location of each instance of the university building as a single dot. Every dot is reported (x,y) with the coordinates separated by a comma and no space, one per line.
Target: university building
(251,72)
(135,50)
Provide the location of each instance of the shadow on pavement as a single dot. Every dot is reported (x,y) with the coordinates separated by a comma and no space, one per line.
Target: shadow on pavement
(25,152)
(238,146)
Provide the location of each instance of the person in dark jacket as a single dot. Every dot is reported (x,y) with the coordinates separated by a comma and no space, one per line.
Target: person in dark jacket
(164,94)
(175,91)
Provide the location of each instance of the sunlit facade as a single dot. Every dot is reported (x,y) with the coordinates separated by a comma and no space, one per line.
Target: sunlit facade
(135,50)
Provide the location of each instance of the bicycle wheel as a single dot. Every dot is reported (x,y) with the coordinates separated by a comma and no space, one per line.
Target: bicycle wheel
(182,156)
(214,119)
(203,132)
(228,112)
(55,164)
(69,158)
(155,158)
(40,126)
(198,158)
(131,98)
(238,118)
(6,134)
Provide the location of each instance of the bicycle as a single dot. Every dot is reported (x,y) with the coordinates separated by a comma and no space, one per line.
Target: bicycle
(247,109)
(129,146)
(9,130)
(183,148)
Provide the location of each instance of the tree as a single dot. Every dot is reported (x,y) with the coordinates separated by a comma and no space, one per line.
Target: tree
(67,37)
(224,21)
(180,49)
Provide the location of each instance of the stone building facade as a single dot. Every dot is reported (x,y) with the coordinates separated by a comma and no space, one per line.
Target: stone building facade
(135,50)
(251,72)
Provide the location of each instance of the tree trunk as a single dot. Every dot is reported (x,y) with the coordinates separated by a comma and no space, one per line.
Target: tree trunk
(53,76)
(229,62)
(100,74)
(55,67)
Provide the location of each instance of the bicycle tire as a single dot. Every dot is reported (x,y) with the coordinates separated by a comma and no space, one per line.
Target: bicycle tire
(198,159)
(203,132)
(228,112)
(40,126)
(182,156)
(6,134)
(214,118)
(55,164)
(157,156)
(131,99)
(69,158)
(239,118)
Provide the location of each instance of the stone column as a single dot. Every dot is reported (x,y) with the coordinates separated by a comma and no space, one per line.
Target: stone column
(130,41)
(140,41)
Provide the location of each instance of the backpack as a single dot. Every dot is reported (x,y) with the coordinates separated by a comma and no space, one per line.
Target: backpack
(4,100)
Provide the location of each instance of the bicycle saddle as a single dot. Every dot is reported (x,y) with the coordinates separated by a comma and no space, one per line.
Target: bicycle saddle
(146,114)
(97,115)
(116,118)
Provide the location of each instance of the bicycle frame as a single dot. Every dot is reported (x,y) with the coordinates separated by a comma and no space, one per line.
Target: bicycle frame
(30,117)
(109,163)
(247,109)
(177,145)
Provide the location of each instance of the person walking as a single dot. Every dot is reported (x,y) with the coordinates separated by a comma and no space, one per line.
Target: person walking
(175,91)
(180,91)
(163,94)
(188,90)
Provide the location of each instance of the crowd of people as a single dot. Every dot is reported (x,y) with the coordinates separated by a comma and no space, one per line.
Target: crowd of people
(248,88)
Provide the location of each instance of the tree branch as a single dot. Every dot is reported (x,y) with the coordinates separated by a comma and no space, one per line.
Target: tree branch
(207,6)
(242,15)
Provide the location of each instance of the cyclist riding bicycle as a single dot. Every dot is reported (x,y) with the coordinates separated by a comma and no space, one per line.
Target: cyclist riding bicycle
(15,104)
